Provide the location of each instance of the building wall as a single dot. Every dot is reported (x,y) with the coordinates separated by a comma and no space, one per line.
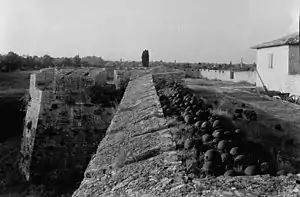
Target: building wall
(99,75)
(294,60)
(279,78)
(273,78)
(224,75)
(110,73)
(292,84)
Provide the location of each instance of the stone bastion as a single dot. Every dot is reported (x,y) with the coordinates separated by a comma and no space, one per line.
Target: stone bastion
(138,156)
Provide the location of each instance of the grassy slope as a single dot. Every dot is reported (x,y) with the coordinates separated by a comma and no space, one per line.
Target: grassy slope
(14,82)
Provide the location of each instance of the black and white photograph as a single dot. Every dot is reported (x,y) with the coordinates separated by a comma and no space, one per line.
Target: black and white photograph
(149,98)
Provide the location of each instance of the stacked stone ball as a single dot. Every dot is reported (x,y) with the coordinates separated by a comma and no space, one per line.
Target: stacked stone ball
(221,150)
(241,113)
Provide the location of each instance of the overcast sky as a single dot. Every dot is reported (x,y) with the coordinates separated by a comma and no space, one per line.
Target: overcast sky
(182,30)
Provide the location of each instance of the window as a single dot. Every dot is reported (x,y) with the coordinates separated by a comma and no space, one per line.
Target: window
(271,60)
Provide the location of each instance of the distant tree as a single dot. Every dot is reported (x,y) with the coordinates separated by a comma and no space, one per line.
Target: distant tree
(77,61)
(93,60)
(47,61)
(58,62)
(11,62)
(145,58)
(28,63)
(67,62)
(85,64)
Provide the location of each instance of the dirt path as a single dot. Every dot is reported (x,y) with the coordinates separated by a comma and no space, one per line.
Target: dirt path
(269,111)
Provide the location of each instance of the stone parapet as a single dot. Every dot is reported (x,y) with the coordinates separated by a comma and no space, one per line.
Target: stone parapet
(138,157)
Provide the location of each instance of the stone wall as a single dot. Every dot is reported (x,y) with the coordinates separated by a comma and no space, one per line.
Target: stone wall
(31,122)
(136,146)
(160,73)
(100,75)
(123,75)
(138,157)
(59,100)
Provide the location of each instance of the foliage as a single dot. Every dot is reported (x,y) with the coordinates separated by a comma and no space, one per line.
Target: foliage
(12,61)
(77,61)
(105,94)
(145,58)
(68,153)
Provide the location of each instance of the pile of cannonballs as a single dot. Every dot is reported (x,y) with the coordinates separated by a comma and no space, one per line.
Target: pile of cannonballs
(221,149)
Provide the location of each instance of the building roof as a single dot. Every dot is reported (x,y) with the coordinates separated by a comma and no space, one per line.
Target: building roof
(291,39)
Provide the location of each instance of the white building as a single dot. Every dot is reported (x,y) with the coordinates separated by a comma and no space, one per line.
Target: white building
(278,64)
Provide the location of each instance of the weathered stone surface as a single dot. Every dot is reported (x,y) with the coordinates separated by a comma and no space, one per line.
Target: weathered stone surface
(128,73)
(137,158)
(30,126)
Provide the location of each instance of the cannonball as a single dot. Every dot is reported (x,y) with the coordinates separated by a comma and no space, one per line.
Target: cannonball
(227,159)
(209,167)
(217,134)
(213,155)
(252,170)
(230,173)
(235,151)
(264,167)
(198,124)
(216,140)
(240,160)
(224,145)
(216,124)
(206,138)
(188,143)
(281,173)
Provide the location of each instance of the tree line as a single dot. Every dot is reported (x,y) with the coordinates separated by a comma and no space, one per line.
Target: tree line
(12,61)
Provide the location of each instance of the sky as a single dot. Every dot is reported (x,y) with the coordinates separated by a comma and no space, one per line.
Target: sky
(181,30)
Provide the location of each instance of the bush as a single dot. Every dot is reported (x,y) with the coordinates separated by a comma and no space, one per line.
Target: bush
(106,94)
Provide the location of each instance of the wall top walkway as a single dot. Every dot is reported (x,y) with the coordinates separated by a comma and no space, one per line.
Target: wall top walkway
(136,145)
(138,157)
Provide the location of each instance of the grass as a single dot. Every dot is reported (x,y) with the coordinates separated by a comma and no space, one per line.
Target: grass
(14,80)
(14,85)
(285,142)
